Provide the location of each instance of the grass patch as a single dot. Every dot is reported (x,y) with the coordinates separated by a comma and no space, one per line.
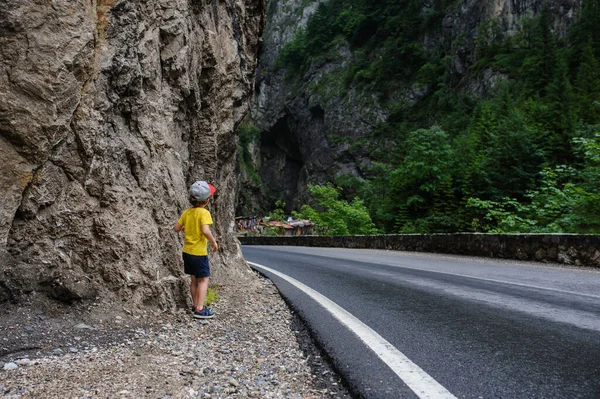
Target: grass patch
(211,295)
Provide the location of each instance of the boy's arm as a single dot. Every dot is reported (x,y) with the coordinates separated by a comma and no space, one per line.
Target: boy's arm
(207,233)
(178,227)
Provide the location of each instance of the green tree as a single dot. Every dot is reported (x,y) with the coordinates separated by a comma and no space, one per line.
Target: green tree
(586,29)
(471,172)
(294,55)
(377,194)
(587,85)
(538,66)
(559,116)
(566,201)
(334,216)
(427,164)
(276,215)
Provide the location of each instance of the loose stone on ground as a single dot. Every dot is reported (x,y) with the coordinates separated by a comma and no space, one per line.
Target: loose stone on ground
(249,350)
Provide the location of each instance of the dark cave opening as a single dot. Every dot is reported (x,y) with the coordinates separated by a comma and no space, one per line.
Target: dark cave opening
(282,161)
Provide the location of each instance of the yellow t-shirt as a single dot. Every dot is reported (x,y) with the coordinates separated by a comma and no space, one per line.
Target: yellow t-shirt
(195,241)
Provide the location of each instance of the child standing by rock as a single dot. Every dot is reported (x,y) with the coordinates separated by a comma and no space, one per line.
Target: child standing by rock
(195,223)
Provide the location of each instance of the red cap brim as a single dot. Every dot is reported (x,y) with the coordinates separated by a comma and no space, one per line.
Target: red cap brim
(212,189)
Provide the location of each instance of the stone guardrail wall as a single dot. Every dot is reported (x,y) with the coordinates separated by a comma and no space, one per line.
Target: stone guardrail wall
(570,249)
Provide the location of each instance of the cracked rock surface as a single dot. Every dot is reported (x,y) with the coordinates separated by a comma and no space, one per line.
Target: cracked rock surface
(109,110)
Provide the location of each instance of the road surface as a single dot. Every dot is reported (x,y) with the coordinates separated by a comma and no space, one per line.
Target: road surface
(412,325)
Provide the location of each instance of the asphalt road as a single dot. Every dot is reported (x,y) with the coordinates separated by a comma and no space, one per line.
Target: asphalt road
(479,328)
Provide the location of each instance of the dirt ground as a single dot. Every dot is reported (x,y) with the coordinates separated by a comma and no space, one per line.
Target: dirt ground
(101,349)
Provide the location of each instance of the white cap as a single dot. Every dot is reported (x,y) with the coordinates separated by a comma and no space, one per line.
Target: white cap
(201,190)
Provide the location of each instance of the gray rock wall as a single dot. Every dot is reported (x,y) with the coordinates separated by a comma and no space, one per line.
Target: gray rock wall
(570,249)
(109,109)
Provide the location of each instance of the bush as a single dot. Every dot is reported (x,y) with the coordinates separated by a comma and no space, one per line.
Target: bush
(334,216)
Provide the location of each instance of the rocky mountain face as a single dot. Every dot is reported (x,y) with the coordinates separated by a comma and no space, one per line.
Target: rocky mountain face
(109,110)
(308,127)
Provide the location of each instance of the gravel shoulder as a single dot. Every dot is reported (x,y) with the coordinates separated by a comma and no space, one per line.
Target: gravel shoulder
(255,347)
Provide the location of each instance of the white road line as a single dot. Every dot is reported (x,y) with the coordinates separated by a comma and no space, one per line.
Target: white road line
(421,383)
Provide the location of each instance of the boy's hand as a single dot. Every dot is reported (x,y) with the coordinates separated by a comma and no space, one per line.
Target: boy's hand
(210,237)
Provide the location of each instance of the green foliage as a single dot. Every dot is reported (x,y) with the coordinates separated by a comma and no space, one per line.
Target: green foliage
(293,55)
(350,21)
(334,216)
(591,149)
(566,201)
(380,202)
(587,85)
(422,183)
(523,158)
(278,214)
(211,295)
(382,34)
(248,135)
(428,160)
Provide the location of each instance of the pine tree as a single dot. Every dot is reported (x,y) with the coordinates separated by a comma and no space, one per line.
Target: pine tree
(402,218)
(444,217)
(587,85)
(537,69)
(587,28)
(559,101)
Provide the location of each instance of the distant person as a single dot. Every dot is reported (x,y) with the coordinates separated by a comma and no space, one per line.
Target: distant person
(195,223)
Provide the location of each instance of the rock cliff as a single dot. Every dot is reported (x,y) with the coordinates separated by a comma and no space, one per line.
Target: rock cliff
(109,109)
(313,130)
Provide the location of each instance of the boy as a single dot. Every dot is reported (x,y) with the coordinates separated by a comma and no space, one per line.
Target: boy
(195,224)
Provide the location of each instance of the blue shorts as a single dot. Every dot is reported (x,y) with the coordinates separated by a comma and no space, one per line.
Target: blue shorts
(196,265)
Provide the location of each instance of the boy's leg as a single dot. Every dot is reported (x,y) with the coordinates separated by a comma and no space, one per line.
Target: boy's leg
(194,291)
(201,290)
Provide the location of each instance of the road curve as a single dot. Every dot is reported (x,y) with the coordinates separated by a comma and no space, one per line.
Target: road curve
(479,328)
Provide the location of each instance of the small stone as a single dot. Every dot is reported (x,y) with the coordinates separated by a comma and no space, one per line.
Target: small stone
(234,382)
(10,366)
(23,362)
(82,326)
(73,350)
(28,329)
(261,380)
(58,352)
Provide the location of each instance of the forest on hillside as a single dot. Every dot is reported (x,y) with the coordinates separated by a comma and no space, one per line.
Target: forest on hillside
(525,157)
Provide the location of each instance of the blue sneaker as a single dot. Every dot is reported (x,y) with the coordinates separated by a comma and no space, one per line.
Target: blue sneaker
(205,313)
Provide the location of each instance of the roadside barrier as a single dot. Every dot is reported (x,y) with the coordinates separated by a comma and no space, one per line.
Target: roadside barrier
(568,249)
